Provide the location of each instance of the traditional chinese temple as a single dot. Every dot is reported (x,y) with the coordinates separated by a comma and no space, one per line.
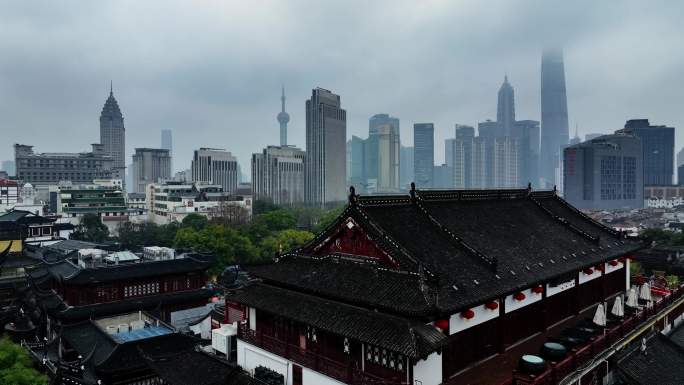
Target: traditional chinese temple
(100,283)
(415,289)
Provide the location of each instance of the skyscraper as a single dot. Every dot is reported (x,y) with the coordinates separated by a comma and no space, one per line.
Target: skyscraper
(113,135)
(326,136)
(554,116)
(278,175)
(423,154)
(604,173)
(658,145)
(283,119)
(527,133)
(215,166)
(150,165)
(375,123)
(388,158)
(505,109)
(167,144)
(405,167)
(356,164)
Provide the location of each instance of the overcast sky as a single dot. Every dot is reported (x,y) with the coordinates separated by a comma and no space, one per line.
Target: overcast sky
(211,70)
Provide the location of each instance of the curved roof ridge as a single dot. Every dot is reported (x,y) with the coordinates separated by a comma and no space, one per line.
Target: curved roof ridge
(565,222)
(490,262)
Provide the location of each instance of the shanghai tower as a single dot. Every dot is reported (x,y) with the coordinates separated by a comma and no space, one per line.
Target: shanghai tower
(554,116)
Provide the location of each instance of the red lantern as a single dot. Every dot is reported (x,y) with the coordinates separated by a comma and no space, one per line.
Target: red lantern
(538,290)
(588,271)
(613,263)
(519,296)
(492,305)
(468,314)
(442,324)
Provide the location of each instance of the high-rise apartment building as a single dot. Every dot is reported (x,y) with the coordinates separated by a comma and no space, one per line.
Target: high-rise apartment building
(278,175)
(215,166)
(604,173)
(283,118)
(527,133)
(554,117)
(423,154)
(658,145)
(51,168)
(405,167)
(113,135)
(372,148)
(326,137)
(356,164)
(150,165)
(388,150)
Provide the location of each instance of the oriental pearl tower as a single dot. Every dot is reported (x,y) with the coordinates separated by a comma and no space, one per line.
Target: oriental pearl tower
(283,119)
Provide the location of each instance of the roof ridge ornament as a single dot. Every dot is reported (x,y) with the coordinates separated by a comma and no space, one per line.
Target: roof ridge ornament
(412,192)
(352,195)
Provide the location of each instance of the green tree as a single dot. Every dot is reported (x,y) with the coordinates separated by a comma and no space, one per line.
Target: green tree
(656,235)
(328,218)
(284,241)
(196,221)
(91,229)
(228,244)
(16,367)
(276,220)
(260,206)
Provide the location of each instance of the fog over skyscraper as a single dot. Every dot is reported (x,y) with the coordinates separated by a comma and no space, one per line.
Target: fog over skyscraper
(326,137)
(283,119)
(554,116)
(113,135)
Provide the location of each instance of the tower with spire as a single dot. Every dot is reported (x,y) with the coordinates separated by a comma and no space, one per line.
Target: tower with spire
(113,134)
(283,119)
(505,111)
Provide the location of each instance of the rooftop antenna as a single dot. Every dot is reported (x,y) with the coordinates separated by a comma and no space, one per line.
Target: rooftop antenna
(111,87)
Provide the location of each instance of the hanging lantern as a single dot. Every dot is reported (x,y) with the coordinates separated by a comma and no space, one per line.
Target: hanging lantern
(346,345)
(588,271)
(384,357)
(613,263)
(492,305)
(519,296)
(400,363)
(538,290)
(369,353)
(468,314)
(442,324)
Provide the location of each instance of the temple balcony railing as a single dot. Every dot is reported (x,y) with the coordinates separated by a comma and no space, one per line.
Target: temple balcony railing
(344,372)
(580,358)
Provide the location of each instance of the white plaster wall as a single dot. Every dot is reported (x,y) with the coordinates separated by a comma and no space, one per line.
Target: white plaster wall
(482,314)
(553,290)
(628,277)
(250,356)
(584,278)
(252,318)
(309,377)
(427,371)
(609,269)
(530,298)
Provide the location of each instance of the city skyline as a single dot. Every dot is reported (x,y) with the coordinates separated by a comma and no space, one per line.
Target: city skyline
(237,102)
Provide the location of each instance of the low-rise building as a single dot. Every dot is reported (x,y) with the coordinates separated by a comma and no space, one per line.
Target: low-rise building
(173,201)
(43,169)
(104,198)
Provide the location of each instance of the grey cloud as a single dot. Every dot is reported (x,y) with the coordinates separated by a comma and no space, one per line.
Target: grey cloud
(212,70)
